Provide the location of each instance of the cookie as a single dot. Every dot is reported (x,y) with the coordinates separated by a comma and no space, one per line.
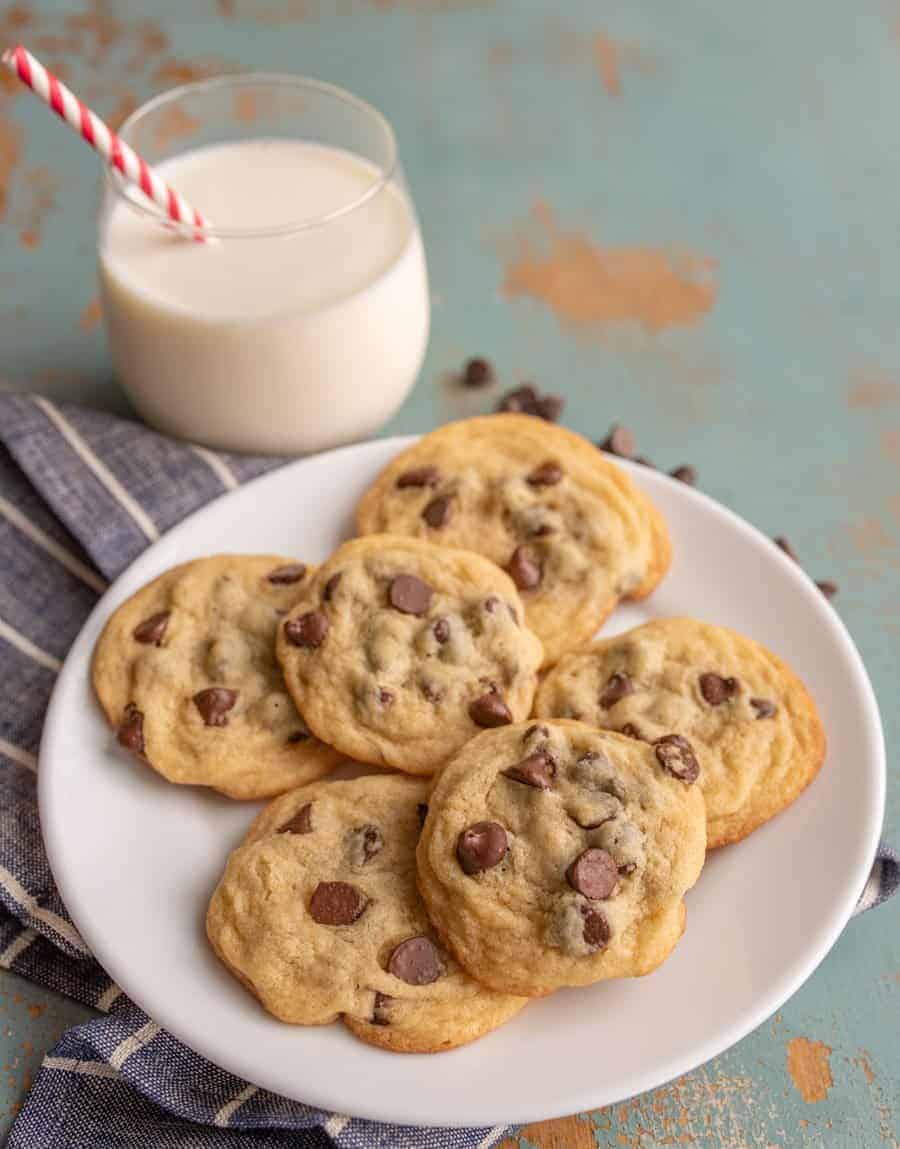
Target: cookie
(186,673)
(569,526)
(318,915)
(399,651)
(555,854)
(751,723)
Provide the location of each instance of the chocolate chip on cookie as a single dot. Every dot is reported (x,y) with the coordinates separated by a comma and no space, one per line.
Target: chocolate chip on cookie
(481,847)
(298,736)
(631,731)
(409,594)
(437,513)
(153,629)
(716,689)
(596,928)
(594,874)
(331,586)
(441,630)
(364,843)
(131,729)
(381,1009)
(618,686)
(524,569)
(764,707)
(214,704)
(426,476)
(287,574)
(416,961)
(336,904)
(490,710)
(309,629)
(545,475)
(675,754)
(301,823)
(537,770)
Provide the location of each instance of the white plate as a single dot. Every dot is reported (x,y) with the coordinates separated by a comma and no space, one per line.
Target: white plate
(136,859)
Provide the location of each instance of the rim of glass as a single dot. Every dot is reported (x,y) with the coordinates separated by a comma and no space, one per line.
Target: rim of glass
(125,190)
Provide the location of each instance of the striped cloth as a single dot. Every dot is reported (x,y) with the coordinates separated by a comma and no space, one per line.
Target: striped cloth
(81,495)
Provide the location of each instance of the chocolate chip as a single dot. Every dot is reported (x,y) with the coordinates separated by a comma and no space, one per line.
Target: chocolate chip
(331,586)
(594,873)
(290,573)
(536,732)
(491,604)
(381,1013)
(596,928)
(645,462)
(631,731)
(416,962)
(481,847)
(369,841)
(441,630)
(536,770)
(477,373)
(432,692)
(685,474)
(409,594)
(549,408)
(490,710)
(298,736)
(716,689)
(336,904)
(828,588)
(764,707)
(152,630)
(437,512)
(520,399)
(782,543)
(385,697)
(618,686)
(523,569)
(422,812)
(131,729)
(627,868)
(620,441)
(214,704)
(426,476)
(308,629)
(546,475)
(676,755)
(301,823)
(542,530)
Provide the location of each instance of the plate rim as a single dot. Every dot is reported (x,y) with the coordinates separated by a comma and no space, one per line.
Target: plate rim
(77,662)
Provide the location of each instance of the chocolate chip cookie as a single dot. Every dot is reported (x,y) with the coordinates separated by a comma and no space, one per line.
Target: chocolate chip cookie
(554,854)
(186,673)
(752,727)
(318,915)
(399,651)
(570,527)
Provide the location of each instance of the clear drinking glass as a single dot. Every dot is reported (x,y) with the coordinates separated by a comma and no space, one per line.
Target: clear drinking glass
(303,322)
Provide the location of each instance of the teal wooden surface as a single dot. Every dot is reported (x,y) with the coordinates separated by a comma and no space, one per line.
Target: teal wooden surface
(680,216)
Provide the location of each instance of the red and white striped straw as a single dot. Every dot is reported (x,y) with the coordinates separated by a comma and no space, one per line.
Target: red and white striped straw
(102,138)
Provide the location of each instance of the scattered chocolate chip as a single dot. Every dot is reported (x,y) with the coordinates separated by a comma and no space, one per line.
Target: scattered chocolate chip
(385,697)
(331,586)
(716,689)
(301,823)
(422,812)
(426,476)
(784,545)
(631,731)
(416,962)
(596,928)
(309,629)
(764,707)
(546,475)
(131,729)
(645,462)
(676,755)
(152,630)
(437,512)
(594,873)
(370,841)
(536,732)
(481,847)
(214,704)
(409,594)
(524,569)
(289,573)
(537,770)
(685,474)
(490,710)
(441,630)
(620,441)
(550,407)
(336,903)
(627,868)
(520,399)
(618,686)
(381,1014)
(828,588)
(432,692)
(298,736)
(477,373)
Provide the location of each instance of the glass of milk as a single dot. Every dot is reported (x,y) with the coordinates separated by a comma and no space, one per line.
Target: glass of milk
(303,323)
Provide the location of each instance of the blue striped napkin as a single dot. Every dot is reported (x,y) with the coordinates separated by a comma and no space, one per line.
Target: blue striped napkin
(81,495)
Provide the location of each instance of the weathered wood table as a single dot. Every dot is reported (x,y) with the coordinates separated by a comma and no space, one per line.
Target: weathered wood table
(680,216)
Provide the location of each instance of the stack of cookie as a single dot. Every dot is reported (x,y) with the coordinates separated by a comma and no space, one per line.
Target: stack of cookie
(531,836)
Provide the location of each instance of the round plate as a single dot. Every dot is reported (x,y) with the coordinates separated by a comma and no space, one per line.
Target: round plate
(136,859)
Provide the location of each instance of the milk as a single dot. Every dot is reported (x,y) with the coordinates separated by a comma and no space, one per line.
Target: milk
(285,342)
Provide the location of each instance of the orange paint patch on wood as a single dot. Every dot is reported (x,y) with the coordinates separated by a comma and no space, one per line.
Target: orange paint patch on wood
(809,1064)
(889,444)
(11,139)
(606,54)
(35,1011)
(864,1062)
(589,286)
(39,187)
(176,71)
(91,316)
(566,1133)
(871,391)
